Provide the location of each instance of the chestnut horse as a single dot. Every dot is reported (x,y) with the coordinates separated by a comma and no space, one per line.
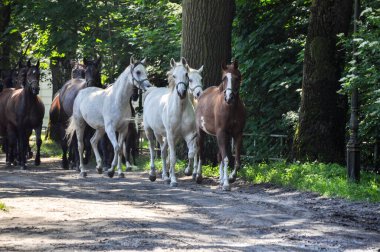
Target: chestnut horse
(24,111)
(221,113)
(65,101)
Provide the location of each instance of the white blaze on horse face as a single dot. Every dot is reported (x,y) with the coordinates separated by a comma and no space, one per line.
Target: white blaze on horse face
(229,86)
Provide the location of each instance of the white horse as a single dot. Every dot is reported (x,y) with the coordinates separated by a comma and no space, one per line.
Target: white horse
(107,111)
(169,115)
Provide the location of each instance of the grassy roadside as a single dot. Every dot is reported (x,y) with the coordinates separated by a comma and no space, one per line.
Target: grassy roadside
(325,179)
(3,207)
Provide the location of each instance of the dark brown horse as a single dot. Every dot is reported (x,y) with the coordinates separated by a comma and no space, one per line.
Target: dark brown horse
(62,106)
(24,111)
(221,113)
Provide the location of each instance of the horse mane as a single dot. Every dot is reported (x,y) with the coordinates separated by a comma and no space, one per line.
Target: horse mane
(121,78)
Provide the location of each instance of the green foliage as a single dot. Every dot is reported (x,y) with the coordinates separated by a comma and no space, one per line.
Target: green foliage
(114,30)
(325,179)
(362,71)
(268,42)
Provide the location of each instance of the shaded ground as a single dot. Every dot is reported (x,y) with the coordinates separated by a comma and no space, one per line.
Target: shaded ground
(51,209)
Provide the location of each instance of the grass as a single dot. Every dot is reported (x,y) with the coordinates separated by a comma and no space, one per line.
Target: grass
(325,179)
(49,148)
(3,207)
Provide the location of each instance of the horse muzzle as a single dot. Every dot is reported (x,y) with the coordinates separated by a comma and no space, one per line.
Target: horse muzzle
(229,99)
(146,85)
(35,90)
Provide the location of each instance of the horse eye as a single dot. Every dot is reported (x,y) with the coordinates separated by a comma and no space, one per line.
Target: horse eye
(190,80)
(174,76)
(187,75)
(138,72)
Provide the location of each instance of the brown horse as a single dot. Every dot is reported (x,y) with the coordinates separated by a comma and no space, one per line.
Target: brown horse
(24,111)
(63,106)
(220,112)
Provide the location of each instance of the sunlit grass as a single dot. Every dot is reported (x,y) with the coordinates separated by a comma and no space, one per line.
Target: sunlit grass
(3,207)
(325,179)
(49,148)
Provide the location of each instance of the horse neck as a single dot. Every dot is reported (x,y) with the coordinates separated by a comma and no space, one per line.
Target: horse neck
(122,89)
(27,98)
(176,104)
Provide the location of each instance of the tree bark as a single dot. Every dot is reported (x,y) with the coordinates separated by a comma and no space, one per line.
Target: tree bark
(322,120)
(5,16)
(206,40)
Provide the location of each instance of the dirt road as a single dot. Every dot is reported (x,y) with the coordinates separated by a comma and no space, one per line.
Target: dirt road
(51,209)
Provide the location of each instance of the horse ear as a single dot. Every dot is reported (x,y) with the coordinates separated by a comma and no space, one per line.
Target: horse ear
(235,64)
(143,61)
(184,61)
(172,62)
(28,64)
(224,66)
(85,61)
(200,70)
(131,60)
(38,64)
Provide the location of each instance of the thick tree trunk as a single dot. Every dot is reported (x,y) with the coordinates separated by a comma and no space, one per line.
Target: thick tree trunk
(206,40)
(5,15)
(321,131)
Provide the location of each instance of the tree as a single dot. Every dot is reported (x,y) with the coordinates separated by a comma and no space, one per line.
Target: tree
(206,40)
(322,119)
(5,15)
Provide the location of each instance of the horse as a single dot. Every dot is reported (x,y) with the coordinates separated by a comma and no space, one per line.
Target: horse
(63,106)
(107,111)
(221,113)
(130,147)
(169,116)
(24,111)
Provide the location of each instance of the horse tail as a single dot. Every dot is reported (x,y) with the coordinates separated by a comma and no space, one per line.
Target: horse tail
(70,131)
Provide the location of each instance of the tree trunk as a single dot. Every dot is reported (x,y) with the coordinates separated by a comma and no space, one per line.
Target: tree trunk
(206,40)
(5,15)
(60,72)
(321,130)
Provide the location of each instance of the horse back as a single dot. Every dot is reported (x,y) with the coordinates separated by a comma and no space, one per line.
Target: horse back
(4,97)
(68,94)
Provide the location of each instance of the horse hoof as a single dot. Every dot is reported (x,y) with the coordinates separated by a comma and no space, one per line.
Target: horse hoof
(110,173)
(15,163)
(83,174)
(226,188)
(37,162)
(194,176)
(152,178)
(167,180)
(199,178)
(30,154)
(24,167)
(65,166)
(232,179)
(100,170)
(173,184)
(187,172)
(8,163)
(121,175)
(128,169)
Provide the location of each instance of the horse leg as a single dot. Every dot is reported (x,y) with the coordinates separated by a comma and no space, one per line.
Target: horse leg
(238,140)
(149,135)
(79,130)
(29,152)
(197,174)
(171,142)
(121,143)
(6,150)
(99,133)
(112,137)
(87,144)
(22,138)
(164,154)
(38,130)
(220,161)
(62,133)
(127,152)
(222,141)
(191,145)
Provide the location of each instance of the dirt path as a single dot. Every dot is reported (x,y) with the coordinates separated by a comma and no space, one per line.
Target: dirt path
(53,210)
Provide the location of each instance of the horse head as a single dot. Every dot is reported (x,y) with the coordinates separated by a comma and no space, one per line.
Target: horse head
(139,74)
(20,80)
(231,79)
(195,82)
(33,78)
(92,72)
(78,71)
(178,76)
